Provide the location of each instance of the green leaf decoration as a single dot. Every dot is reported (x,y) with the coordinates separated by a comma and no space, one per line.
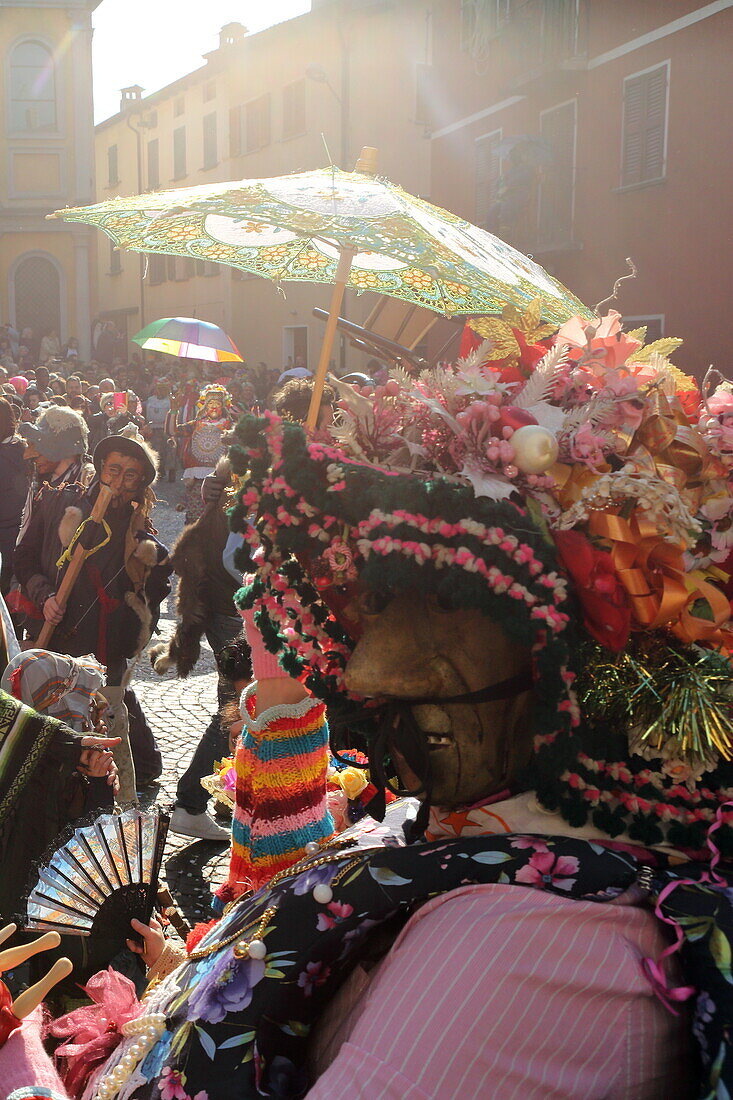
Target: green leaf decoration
(721,952)
(386,877)
(237,1040)
(491,857)
(181,1039)
(295,1027)
(206,1042)
(663,347)
(272,972)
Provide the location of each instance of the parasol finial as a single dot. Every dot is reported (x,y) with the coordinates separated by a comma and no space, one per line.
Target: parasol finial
(367,162)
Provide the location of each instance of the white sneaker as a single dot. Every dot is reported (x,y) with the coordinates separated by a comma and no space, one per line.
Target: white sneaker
(200,826)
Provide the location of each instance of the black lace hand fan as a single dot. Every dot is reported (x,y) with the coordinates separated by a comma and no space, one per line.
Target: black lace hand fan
(102,877)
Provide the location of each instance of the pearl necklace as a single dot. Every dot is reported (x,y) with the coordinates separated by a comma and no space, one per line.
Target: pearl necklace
(147,1029)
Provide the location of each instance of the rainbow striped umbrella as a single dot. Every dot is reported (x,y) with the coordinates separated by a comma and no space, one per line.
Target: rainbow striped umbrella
(188,338)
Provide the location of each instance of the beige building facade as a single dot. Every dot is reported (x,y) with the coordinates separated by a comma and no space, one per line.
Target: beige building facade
(47,269)
(319,86)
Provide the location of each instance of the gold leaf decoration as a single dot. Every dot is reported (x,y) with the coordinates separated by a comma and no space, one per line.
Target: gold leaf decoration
(512,315)
(663,347)
(503,340)
(531,319)
(637,334)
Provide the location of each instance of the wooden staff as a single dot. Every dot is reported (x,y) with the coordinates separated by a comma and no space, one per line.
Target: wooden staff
(367,165)
(78,556)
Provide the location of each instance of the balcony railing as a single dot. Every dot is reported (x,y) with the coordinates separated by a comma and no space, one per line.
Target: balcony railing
(540,36)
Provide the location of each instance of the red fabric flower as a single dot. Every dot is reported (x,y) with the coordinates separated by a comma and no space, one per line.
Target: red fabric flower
(606,610)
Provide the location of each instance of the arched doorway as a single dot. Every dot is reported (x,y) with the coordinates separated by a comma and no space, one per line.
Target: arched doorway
(37,287)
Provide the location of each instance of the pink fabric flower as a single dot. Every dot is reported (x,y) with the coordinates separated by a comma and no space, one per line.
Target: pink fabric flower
(171,1085)
(336,912)
(531,843)
(94,1031)
(544,869)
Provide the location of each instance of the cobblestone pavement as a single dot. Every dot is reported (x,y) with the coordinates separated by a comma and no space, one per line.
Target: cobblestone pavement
(179,711)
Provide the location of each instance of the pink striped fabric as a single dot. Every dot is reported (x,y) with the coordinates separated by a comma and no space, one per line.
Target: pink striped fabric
(513,994)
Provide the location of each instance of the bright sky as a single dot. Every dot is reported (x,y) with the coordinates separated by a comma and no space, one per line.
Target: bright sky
(153,42)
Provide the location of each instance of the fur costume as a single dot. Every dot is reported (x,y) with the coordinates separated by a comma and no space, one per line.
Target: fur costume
(205,587)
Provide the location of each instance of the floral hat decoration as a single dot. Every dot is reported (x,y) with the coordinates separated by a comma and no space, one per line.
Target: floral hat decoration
(573,485)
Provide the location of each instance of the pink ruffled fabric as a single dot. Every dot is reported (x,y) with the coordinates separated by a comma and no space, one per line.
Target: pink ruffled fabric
(94,1031)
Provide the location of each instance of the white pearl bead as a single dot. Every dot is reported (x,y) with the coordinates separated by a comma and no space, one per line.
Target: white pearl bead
(535,448)
(311,847)
(257,949)
(322,893)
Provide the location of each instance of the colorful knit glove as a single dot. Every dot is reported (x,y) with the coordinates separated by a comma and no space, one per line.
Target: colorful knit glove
(280,804)
(264,663)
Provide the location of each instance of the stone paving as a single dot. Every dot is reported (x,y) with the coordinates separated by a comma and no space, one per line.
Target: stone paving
(179,711)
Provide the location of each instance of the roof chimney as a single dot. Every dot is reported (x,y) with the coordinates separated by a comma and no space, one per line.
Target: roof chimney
(130,97)
(230,34)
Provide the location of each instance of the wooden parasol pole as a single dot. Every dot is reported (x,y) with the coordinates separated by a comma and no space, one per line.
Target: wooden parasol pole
(78,555)
(367,165)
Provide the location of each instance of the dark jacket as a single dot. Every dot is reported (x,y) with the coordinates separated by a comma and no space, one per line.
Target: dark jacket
(13,491)
(115,603)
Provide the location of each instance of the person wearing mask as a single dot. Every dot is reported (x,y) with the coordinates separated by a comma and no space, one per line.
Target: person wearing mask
(14,480)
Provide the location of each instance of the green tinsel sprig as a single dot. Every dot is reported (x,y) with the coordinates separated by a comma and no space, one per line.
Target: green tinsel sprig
(675,700)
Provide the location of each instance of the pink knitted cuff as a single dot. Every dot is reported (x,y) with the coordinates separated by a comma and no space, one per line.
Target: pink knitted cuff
(264,663)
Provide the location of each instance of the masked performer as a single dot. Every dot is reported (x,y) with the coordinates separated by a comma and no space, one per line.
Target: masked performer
(503,577)
(205,446)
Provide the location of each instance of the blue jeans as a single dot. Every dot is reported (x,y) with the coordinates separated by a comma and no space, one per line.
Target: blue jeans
(214,743)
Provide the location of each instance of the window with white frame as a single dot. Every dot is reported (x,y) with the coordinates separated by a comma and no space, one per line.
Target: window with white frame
(32,88)
(652,322)
(557,179)
(644,152)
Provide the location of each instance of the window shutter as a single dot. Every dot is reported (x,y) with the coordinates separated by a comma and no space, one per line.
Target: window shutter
(179,152)
(645,120)
(634,102)
(209,137)
(112,172)
(656,117)
(235,132)
(153,165)
(252,127)
(265,120)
